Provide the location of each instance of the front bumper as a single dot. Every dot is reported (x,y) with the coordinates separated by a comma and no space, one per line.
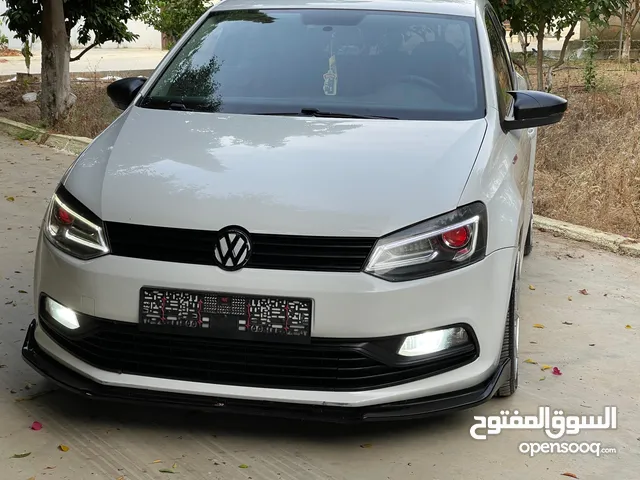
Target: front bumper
(347,306)
(72,381)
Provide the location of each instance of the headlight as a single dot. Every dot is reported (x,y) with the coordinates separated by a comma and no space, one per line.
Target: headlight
(73,228)
(444,243)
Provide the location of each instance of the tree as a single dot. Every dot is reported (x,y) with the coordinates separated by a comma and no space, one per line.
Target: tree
(630,19)
(173,17)
(4,41)
(536,18)
(98,21)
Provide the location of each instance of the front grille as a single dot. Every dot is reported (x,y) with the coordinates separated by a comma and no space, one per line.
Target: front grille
(279,252)
(329,365)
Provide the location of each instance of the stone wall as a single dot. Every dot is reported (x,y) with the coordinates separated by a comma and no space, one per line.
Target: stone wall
(610,33)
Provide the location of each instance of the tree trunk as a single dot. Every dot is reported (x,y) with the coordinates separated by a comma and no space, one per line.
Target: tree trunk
(630,21)
(561,58)
(626,47)
(540,66)
(524,45)
(55,99)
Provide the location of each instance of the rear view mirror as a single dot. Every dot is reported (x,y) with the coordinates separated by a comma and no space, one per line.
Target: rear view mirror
(122,92)
(535,109)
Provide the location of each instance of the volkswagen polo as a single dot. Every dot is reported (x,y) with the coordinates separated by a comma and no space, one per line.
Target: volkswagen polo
(317,210)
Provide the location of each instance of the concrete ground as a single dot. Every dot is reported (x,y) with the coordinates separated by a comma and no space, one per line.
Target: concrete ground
(585,336)
(96,60)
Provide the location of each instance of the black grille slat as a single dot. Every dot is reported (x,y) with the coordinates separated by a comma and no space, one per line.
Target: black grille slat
(278,252)
(176,355)
(329,365)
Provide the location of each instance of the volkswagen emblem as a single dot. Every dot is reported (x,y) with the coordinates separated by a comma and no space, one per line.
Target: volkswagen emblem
(232,249)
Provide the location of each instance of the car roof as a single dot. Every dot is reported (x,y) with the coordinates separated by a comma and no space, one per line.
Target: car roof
(465,8)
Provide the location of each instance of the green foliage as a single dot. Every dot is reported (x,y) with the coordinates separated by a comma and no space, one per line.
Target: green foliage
(98,21)
(4,41)
(536,18)
(173,17)
(528,16)
(591,47)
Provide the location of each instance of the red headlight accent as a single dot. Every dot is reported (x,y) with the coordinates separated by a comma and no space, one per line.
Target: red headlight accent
(64,216)
(457,239)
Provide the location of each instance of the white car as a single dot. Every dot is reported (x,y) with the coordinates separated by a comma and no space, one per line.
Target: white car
(317,210)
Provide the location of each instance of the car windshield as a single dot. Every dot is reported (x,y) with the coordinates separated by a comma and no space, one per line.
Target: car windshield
(341,63)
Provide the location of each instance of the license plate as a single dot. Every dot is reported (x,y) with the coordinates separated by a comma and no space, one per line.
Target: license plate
(226,315)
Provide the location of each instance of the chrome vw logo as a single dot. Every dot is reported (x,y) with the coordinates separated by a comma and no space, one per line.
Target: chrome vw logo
(232,249)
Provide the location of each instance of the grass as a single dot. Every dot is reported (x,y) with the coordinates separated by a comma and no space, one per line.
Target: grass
(92,113)
(27,135)
(588,166)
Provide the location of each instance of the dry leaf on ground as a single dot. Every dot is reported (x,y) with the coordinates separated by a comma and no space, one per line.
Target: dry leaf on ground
(546,367)
(21,455)
(531,287)
(532,362)
(538,325)
(10,199)
(243,466)
(583,291)
(569,474)
(63,448)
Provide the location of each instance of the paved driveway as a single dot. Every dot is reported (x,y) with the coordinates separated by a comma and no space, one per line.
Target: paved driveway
(584,337)
(96,60)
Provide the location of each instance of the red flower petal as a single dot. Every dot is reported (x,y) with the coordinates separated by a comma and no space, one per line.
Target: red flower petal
(556,371)
(36,426)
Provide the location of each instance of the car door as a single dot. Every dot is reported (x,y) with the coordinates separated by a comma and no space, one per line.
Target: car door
(516,144)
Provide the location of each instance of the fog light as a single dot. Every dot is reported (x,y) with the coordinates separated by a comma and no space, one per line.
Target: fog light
(61,314)
(433,342)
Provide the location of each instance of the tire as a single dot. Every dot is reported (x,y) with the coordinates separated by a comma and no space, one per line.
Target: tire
(510,343)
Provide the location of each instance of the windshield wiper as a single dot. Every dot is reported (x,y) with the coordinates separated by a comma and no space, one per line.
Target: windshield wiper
(314,112)
(179,105)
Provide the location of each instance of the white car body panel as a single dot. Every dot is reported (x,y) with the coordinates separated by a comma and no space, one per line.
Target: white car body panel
(295,176)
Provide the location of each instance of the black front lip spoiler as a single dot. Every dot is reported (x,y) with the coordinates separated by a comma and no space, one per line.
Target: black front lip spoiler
(406,410)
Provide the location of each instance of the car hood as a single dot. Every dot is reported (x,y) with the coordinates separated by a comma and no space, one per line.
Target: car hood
(287,175)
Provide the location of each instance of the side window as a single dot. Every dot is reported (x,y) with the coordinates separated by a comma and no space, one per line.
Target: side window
(505,46)
(501,66)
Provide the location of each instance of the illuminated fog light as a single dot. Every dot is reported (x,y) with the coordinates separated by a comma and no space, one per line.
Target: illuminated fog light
(61,314)
(433,342)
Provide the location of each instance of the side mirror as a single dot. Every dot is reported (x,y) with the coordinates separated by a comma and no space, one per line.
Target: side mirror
(535,109)
(122,92)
